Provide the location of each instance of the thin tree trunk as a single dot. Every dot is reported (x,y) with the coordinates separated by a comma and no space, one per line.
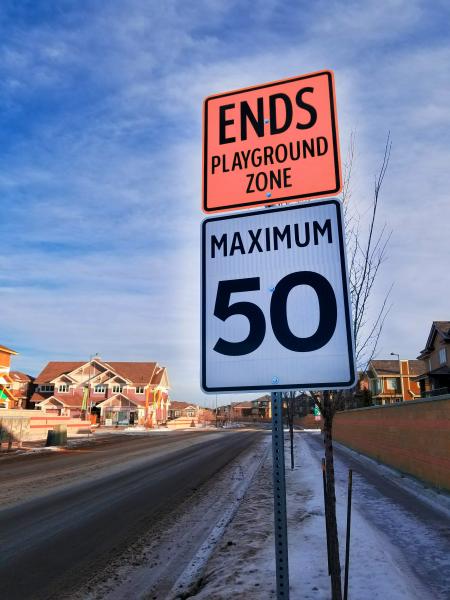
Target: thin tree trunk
(291,433)
(290,420)
(335,565)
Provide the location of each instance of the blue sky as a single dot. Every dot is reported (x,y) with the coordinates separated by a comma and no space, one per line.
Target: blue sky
(100,161)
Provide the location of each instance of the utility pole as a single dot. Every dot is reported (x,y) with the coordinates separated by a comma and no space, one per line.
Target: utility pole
(88,400)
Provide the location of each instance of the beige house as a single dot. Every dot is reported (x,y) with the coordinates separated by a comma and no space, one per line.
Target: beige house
(183,409)
(435,379)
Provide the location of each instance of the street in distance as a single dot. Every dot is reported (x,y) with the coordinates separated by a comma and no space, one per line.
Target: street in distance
(275,305)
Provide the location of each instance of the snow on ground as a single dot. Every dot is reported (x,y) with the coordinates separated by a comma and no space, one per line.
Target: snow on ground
(172,554)
(243,563)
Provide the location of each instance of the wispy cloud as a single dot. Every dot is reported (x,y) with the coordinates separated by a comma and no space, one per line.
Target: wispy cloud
(100,107)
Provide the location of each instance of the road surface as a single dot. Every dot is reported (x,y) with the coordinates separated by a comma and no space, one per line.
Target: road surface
(419,532)
(58,537)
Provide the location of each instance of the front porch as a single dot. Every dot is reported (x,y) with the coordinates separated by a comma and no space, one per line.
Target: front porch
(119,411)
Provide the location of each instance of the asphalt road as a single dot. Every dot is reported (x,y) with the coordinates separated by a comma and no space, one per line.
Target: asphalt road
(419,531)
(52,543)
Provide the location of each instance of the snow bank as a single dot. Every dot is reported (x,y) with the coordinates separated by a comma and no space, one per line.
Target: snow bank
(243,564)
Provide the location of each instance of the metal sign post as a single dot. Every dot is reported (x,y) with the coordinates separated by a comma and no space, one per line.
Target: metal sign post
(279,497)
(274,282)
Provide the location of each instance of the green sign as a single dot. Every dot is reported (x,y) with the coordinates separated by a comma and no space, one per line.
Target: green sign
(316,411)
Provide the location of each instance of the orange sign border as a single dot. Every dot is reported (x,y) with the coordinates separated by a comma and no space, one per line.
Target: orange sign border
(265,201)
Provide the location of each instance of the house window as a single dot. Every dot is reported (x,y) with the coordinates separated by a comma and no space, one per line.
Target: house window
(429,364)
(100,389)
(117,389)
(375,385)
(443,356)
(140,389)
(391,383)
(46,388)
(63,387)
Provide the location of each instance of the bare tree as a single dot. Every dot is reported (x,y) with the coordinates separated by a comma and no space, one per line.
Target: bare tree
(366,254)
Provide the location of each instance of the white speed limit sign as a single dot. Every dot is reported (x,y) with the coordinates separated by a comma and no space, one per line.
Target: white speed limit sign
(275,302)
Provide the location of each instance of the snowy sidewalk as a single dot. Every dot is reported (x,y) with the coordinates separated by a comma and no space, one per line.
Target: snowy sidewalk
(243,564)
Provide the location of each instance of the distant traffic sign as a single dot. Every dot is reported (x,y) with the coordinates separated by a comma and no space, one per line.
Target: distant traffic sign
(275,305)
(276,142)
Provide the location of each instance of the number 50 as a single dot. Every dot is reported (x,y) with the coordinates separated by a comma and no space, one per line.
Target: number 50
(278,313)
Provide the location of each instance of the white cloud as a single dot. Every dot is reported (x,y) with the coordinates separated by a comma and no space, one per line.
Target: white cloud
(117,177)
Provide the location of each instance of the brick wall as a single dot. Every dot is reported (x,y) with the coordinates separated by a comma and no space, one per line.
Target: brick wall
(33,425)
(308,422)
(413,437)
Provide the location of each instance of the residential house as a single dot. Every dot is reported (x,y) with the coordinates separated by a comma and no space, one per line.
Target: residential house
(189,415)
(435,378)
(387,385)
(113,393)
(22,388)
(183,409)
(7,398)
(262,407)
(241,410)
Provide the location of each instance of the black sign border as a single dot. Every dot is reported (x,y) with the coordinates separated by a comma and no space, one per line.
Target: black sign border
(266,201)
(310,385)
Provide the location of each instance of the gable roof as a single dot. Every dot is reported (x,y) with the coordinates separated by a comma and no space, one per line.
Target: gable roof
(442,327)
(416,367)
(176,405)
(55,368)
(118,397)
(243,404)
(264,398)
(137,372)
(391,367)
(19,376)
(70,401)
(384,367)
(7,350)
(160,376)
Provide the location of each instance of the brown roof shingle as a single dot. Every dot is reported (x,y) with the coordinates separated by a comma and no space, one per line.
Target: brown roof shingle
(19,376)
(176,405)
(391,367)
(137,372)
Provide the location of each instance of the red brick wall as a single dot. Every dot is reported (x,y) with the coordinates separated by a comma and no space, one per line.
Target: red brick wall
(308,422)
(413,437)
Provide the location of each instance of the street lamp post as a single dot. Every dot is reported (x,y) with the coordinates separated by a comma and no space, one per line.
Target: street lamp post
(400,370)
(88,400)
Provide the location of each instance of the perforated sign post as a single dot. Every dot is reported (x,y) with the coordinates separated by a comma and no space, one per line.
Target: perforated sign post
(275,302)
(276,316)
(271,143)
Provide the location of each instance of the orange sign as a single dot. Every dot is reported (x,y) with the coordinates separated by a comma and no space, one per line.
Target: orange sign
(271,143)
